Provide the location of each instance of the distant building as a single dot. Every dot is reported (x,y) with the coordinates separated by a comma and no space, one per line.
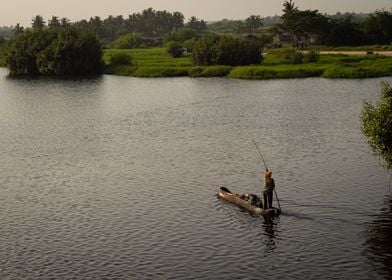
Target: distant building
(282,38)
(303,42)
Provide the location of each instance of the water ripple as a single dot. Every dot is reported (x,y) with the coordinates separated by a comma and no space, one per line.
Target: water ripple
(117,179)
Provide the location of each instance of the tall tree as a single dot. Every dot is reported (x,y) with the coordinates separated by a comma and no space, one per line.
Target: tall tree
(300,23)
(377,125)
(64,22)
(378,27)
(344,32)
(38,22)
(239,27)
(54,22)
(253,23)
(18,29)
(196,24)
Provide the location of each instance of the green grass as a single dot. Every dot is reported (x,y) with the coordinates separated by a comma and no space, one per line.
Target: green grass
(151,57)
(276,72)
(156,62)
(209,71)
(154,72)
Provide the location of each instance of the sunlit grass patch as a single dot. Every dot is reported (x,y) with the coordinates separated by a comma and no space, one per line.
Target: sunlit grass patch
(156,62)
(151,57)
(151,72)
(275,72)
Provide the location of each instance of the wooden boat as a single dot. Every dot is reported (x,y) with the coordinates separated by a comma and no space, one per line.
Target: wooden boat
(239,200)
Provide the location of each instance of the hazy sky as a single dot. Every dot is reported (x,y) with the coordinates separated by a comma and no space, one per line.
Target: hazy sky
(22,11)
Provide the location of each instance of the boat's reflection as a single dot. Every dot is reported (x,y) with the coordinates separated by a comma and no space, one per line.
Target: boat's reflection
(269,226)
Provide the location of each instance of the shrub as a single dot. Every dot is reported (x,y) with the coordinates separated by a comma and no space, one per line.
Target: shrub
(288,55)
(196,71)
(311,57)
(120,58)
(175,49)
(188,44)
(128,41)
(225,50)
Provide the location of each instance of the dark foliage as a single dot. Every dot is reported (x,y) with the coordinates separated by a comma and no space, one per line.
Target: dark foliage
(181,35)
(120,59)
(148,23)
(344,32)
(378,27)
(226,50)
(175,49)
(196,24)
(65,51)
(377,125)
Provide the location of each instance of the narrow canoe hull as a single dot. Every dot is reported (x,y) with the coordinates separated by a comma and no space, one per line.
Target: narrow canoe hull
(235,198)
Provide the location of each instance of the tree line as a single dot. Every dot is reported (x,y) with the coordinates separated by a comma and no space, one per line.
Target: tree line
(340,29)
(376,28)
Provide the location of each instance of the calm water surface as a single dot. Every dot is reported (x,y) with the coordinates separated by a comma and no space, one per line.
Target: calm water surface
(116,178)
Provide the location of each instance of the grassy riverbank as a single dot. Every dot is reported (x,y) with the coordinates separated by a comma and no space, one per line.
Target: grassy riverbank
(156,62)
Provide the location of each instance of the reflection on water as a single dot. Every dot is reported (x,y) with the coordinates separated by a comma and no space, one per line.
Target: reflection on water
(270,229)
(379,241)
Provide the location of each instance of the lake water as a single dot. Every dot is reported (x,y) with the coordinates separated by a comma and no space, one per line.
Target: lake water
(116,178)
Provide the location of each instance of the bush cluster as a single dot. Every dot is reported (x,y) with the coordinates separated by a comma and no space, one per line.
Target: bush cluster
(128,41)
(120,58)
(175,49)
(64,51)
(226,50)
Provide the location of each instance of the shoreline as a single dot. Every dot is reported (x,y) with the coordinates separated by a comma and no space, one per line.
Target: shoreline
(156,62)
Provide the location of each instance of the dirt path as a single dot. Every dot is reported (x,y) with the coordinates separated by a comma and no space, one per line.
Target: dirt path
(384,53)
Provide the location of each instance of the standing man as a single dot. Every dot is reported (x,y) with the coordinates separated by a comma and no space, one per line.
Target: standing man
(269,185)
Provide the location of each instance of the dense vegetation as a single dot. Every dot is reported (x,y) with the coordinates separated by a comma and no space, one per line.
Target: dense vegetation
(377,125)
(226,50)
(127,41)
(149,23)
(52,51)
(340,29)
(376,28)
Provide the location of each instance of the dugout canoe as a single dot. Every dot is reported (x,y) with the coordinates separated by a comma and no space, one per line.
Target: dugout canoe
(236,199)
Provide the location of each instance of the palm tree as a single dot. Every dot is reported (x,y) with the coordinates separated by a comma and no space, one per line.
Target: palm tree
(18,29)
(253,23)
(54,22)
(38,22)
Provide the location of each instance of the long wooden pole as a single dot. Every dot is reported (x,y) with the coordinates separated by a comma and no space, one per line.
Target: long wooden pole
(261,156)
